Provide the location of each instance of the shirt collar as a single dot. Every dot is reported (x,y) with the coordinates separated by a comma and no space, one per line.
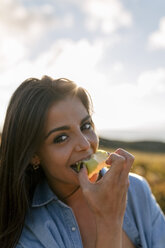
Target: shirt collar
(43,195)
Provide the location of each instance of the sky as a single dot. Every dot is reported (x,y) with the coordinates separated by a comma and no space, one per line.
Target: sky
(113,48)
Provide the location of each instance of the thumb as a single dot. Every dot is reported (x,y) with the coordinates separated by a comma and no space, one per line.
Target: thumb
(83,178)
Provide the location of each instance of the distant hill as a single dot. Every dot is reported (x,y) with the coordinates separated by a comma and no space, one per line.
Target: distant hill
(145,146)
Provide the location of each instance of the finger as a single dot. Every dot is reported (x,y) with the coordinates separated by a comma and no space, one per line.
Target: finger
(83,178)
(116,163)
(115,159)
(129,159)
(129,162)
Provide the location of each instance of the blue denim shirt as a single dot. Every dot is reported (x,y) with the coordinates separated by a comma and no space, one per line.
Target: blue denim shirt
(51,224)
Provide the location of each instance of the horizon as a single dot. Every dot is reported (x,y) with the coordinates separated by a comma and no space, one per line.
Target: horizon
(132,135)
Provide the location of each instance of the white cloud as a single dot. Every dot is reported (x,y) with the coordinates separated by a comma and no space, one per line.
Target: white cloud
(152,82)
(116,104)
(25,24)
(22,28)
(120,105)
(125,106)
(77,60)
(118,67)
(106,15)
(157,38)
(66,58)
(11,52)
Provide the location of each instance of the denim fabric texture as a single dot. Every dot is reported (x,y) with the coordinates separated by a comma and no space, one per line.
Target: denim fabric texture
(50,223)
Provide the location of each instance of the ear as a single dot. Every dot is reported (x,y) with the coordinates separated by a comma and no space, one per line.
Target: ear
(35,160)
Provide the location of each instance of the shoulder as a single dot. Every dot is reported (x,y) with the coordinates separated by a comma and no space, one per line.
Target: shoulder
(139,195)
(141,199)
(137,179)
(139,185)
(144,214)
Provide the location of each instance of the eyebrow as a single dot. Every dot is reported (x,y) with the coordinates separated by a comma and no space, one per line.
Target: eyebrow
(65,127)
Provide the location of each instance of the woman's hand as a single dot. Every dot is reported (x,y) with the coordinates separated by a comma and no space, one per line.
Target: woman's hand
(107,197)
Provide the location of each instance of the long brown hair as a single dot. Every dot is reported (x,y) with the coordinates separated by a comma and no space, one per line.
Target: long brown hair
(22,133)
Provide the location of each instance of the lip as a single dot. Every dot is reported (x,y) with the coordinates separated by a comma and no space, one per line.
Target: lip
(83,158)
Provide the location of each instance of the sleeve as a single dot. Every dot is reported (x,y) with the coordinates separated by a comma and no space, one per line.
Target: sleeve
(19,246)
(158,220)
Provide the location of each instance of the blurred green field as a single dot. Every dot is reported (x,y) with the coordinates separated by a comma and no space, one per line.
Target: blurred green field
(152,167)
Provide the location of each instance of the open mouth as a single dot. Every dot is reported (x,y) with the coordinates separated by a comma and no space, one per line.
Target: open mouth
(94,163)
(76,167)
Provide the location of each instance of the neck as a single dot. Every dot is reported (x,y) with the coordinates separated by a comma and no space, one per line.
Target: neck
(69,193)
(64,192)
(75,199)
(76,195)
(72,196)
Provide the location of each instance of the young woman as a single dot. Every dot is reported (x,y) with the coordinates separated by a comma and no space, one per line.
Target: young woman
(44,203)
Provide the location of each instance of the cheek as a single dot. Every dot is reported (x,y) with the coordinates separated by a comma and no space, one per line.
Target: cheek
(94,140)
(54,158)
(52,165)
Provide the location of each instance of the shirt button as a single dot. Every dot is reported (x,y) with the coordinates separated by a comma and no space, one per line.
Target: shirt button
(73,228)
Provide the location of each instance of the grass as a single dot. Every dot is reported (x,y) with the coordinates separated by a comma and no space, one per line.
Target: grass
(152,167)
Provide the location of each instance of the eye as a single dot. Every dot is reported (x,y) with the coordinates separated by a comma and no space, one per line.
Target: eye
(60,139)
(86,126)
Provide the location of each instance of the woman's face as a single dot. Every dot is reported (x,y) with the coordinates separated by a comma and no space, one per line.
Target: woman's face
(69,137)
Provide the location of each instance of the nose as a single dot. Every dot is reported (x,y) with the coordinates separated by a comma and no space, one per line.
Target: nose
(83,143)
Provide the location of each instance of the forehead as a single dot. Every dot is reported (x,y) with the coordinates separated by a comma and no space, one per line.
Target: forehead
(65,112)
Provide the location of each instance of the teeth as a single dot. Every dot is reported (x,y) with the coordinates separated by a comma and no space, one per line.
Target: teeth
(81,161)
(93,163)
(86,159)
(76,166)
